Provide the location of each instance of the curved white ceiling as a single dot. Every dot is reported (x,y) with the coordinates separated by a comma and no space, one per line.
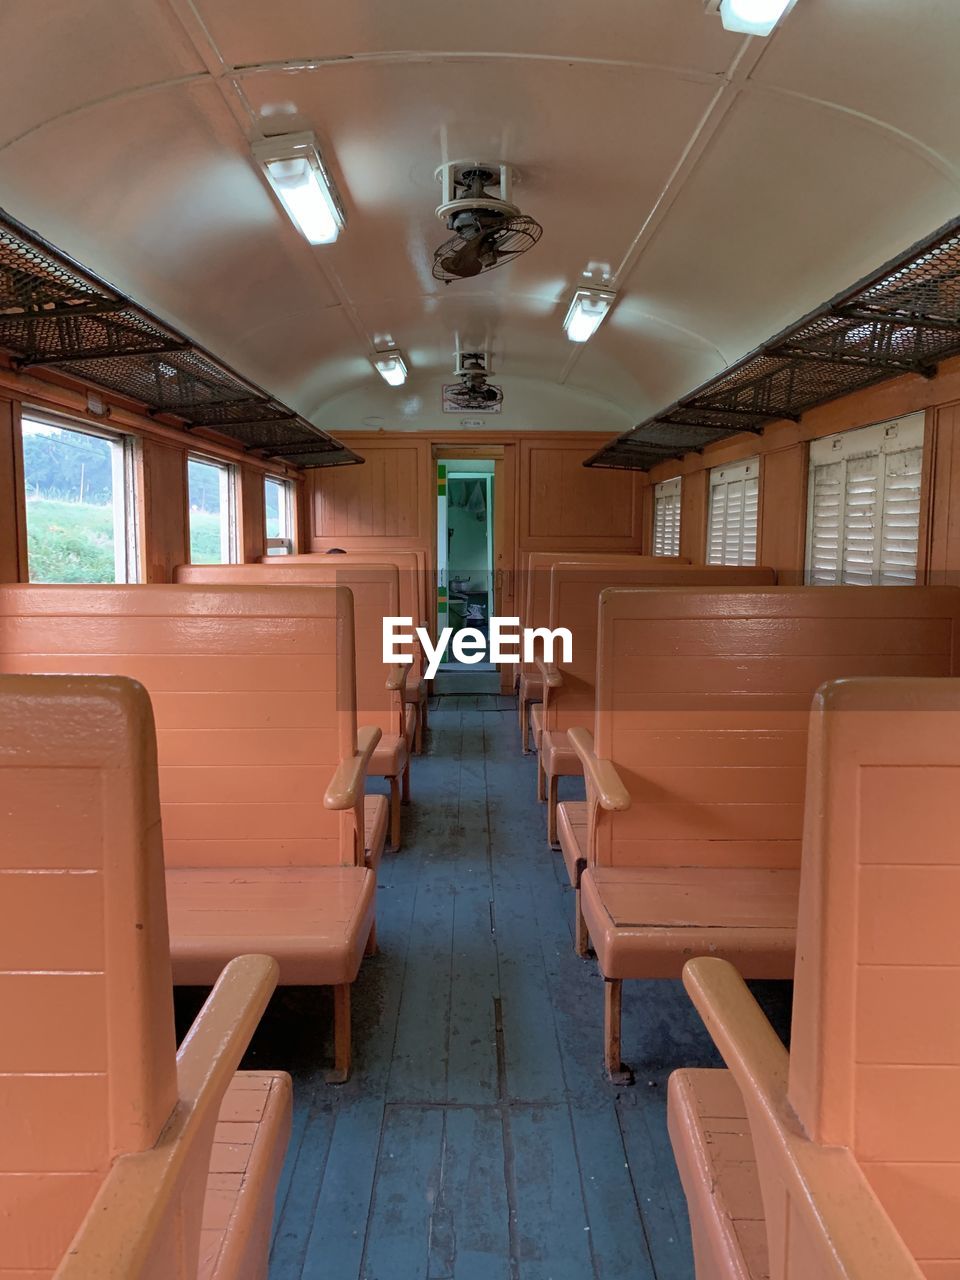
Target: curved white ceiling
(729,184)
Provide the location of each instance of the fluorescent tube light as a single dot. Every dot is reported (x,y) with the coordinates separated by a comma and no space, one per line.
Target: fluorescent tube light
(752,17)
(391,368)
(586,312)
(293,167)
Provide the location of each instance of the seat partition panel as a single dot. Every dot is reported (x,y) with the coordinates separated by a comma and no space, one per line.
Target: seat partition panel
(875,1063)
(575,588)
(87,1051)
(253,692)
(376,595)
(703,701)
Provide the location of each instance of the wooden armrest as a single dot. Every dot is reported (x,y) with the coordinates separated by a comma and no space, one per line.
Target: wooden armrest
(346,785)
(601,774)
(826,1185)
(397,676)
(135,1209)
(551,673)
(740,1030)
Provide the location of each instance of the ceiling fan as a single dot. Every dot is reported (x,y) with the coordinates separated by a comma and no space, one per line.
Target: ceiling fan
(489,229)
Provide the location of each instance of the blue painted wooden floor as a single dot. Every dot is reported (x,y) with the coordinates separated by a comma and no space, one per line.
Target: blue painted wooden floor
(477,1139)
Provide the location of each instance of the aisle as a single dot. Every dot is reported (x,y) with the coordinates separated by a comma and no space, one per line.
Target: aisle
(477,1139)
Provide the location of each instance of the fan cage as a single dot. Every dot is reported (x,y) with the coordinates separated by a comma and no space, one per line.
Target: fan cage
(904,318)
(54,314)
(515,236)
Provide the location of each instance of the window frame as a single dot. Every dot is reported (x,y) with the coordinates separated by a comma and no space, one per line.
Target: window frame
(285,545)
(743,471)
(667,499)
(229,499)
(893,436)
(125,460)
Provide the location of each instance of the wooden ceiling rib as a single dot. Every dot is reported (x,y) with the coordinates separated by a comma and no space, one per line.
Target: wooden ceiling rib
(55,314)
(902,318)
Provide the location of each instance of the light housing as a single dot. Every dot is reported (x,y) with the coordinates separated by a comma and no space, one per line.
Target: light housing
(293,166)
(753,17)
(391,367)
(586,313)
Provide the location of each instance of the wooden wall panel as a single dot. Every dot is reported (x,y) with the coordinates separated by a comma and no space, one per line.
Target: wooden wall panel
(783,513)
(253,532)
(940,554)
(562,503)
(165,537)
(389,496)
(693,516)
(13,530)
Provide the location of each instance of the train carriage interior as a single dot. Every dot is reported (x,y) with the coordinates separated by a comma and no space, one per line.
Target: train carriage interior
(479,640)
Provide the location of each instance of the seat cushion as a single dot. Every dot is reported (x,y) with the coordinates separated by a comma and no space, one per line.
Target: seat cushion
(557,757)
(249,1146)
(715,1158)
(536,722)
(376,817)
(415,692)
(572,830)
(389,758)
(314,920)
(647,922)
(530,686)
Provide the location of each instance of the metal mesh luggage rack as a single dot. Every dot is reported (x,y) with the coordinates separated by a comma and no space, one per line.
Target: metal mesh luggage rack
(56,315)
(903,318)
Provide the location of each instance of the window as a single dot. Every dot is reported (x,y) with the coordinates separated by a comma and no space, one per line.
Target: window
(213,511)
(732,522)
(80,502)
(666,518)
(279,501)
(863,505)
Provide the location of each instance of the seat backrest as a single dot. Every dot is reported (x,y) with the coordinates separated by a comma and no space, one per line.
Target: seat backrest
(87,1048)
(416,599)
(574,603)
(535,579)
(875,1056)
(703,699)
(376,594)
(253,692)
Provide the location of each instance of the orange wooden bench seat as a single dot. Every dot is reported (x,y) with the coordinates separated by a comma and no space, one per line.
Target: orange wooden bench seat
(653,919)
(262,765)
(714,1151)
(569,688)
(415,602)
(249,1148)
(572,825)
(853,1132)
(121,1156)
(696,777)
(376,594)
(534,598)
(314,921)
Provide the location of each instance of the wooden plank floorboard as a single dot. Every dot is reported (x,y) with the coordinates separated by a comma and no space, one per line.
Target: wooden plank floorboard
(478,1138)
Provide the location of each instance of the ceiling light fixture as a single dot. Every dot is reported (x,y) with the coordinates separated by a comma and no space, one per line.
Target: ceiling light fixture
(586,313)
(753,17)
(294,168)
(391,367)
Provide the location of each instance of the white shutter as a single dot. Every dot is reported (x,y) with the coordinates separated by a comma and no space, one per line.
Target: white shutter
(666,518)
(732,520)
(863,512)
(825,533)
(861,519)
(900,530)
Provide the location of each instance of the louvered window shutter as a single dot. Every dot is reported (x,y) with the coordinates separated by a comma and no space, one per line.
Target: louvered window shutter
(734,508)
(863,514)
(666,518)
